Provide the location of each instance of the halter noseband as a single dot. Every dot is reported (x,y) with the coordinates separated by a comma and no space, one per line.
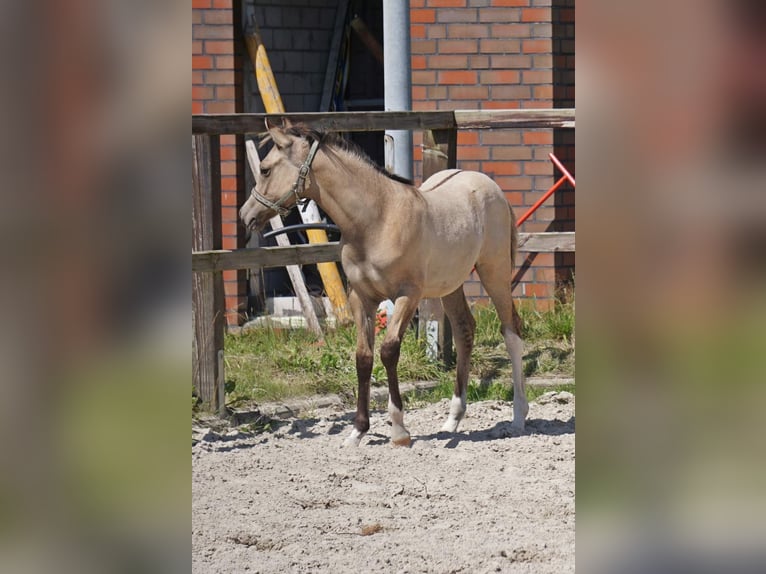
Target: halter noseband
(298,187)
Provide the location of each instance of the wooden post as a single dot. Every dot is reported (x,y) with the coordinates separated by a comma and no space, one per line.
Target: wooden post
(207,288)
(439,153)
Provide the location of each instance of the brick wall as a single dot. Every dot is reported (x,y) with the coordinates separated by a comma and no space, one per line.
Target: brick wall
(481,54)
(217,88)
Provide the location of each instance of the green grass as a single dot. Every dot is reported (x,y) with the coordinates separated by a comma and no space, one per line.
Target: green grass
(270,364)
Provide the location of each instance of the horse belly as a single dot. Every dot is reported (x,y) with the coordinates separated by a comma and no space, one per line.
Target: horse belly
(450,267)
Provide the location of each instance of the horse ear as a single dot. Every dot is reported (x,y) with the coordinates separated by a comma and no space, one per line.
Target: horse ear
(281,139)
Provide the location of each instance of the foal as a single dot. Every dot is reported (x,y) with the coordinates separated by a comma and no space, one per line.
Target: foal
(400,243)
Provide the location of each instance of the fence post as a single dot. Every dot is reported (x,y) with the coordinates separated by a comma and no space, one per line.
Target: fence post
(207,288)
(439,152)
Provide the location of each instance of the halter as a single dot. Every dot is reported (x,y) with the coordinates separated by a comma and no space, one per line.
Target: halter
(298,187)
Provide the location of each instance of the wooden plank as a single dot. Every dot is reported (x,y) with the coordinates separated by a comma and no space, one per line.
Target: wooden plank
(207,288)
(530,118)
(219,260)
(552,242)
(379,121)
(293,271)
(326,121)
(439,153)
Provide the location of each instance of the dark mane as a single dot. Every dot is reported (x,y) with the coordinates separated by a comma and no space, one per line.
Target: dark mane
(335,140)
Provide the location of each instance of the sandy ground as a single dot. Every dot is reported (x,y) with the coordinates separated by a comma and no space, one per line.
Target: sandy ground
(485,499)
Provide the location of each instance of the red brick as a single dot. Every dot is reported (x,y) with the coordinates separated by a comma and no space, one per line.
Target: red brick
(418,62)
(222,3)
(499,77)
(511,152)
(196,16)
(420,15)
(215,77)
(202,62)
(511,92)
(467,31)
(228,168)
(201,4)
(218,16)
(504,167)
(536,46)
(228,152)
(498,15)
(458,46)
(420,77)
(224,63)
(515,183)
(536,77)
(229,214)
(468,165)
(535,14)
(473,152)
(446,3)
(202,93)
(531,104)
(229,196)
(507,3)
(456,15)
(500,46)
(437,92)
(478,62)
(220,108)
(543,92)
(499,105)
(424,105)
(197,77)
(500,137)
(225,92)
(219,47)
(197,108)
(512,61)
(468,92)
(424,47)
(467,138)
(537,168)
(212,32)
(418,92)
(196,48)
(437,31)
(229,183)
(511,30)
(417,31)
(229,229)
(451,61)
(457,77)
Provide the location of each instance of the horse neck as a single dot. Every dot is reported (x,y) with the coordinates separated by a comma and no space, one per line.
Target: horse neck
(351,192)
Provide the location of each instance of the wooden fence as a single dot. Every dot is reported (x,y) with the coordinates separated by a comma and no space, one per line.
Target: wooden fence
(209,260)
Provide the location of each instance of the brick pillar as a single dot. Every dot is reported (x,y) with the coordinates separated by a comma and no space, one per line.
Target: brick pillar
(217,89)
(488,55)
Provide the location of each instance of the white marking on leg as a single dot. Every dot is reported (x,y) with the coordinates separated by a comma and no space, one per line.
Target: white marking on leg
(456,412)
(354,438)
(400,436)
(520,405)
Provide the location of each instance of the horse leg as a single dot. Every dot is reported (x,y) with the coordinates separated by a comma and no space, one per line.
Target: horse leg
(463,327)
(497,282)
(404,310)
(364,312)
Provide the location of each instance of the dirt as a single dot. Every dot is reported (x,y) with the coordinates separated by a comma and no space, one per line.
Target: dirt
(485,499)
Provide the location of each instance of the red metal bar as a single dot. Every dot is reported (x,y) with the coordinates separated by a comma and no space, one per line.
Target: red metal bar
(566,177)
(540,201)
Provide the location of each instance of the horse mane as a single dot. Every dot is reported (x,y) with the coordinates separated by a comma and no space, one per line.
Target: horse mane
(338,142)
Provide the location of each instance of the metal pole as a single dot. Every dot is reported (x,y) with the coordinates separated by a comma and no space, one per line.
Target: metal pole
(397,78)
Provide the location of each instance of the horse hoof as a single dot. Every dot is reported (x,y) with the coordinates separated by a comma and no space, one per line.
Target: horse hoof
(354,439)
(402,441)
(450,426)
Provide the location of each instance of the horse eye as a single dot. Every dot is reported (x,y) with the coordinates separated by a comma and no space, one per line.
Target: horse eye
(265,171)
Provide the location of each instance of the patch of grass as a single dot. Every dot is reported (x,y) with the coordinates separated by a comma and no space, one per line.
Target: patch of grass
(271,364)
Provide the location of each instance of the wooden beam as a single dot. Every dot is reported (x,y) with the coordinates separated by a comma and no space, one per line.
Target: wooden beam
(219,260)
(326,121)
(207,288)
(380,121)
(530,118)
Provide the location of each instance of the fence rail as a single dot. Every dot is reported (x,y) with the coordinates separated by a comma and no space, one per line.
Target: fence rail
(209,260)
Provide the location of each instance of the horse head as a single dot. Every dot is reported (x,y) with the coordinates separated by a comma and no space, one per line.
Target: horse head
(281,178)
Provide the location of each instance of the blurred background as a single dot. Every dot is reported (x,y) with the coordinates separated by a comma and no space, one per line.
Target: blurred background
(95,360)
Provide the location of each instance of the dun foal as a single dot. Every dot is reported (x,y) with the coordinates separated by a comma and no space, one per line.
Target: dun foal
(404,244)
